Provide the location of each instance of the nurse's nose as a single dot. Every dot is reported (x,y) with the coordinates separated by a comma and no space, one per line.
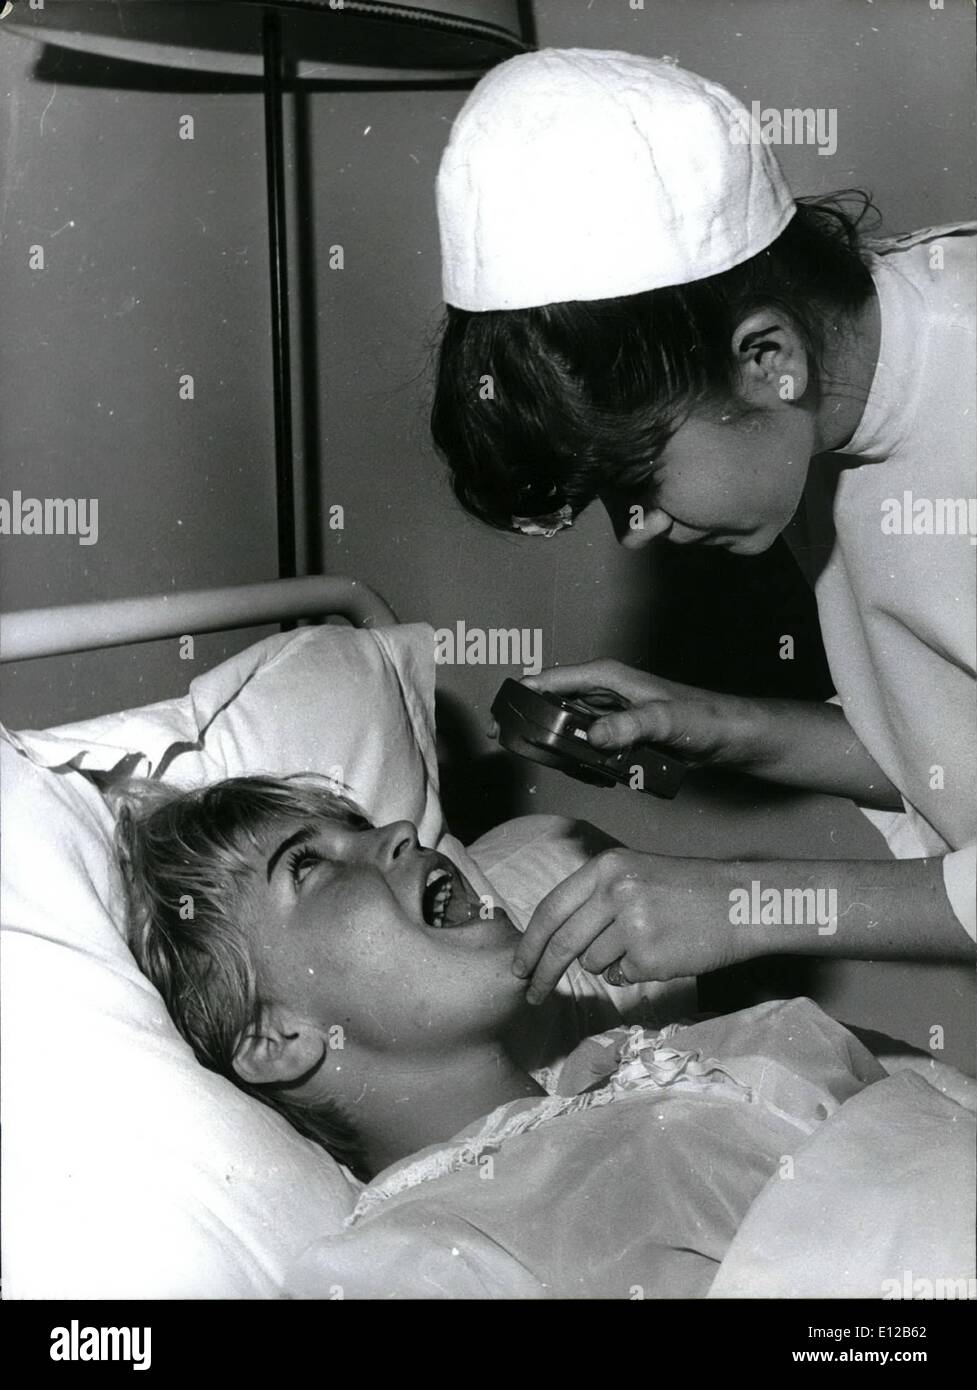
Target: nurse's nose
(636,526)
(393,841)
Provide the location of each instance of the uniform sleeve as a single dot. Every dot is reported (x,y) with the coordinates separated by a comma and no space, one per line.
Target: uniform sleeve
(960,881)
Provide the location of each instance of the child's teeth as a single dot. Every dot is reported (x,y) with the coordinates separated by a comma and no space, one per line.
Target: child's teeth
(441,899)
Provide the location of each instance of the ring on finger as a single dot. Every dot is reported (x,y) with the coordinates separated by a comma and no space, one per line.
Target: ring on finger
(614,975)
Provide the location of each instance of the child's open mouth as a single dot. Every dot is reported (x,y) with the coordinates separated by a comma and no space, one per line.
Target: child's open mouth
(445,902)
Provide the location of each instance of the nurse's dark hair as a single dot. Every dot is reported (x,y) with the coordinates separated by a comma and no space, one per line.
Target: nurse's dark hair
(538,408)
(186,857)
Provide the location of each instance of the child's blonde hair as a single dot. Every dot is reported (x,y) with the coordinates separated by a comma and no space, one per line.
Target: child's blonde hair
(185,856)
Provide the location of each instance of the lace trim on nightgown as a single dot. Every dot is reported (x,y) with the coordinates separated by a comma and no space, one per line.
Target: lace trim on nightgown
(644,1063)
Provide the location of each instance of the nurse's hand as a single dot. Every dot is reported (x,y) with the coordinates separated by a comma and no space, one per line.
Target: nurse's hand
(708,728)
(658,916)
(795,743)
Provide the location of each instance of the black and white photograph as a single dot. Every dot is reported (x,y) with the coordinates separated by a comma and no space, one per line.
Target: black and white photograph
(488,547)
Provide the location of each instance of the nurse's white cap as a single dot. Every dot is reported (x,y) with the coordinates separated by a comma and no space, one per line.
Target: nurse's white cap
(582,174)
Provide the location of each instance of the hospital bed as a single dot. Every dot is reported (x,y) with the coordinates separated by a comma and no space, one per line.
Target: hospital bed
(129,1170)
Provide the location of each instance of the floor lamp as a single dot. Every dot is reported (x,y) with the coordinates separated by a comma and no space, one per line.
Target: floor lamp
(184,44)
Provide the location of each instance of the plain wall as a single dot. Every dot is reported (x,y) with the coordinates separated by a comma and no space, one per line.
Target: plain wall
(157,264)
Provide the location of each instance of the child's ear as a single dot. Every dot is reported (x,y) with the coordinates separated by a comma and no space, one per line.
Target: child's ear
(279,1049)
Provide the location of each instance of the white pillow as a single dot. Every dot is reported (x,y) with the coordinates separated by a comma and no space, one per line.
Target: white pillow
(356,703)
(129,1170)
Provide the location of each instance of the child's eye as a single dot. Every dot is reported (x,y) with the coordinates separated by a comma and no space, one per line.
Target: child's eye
(301,860)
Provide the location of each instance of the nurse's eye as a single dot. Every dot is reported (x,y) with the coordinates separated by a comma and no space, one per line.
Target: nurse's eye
(302,860)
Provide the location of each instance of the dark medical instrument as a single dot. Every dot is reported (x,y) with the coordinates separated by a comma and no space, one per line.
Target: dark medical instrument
(553,731)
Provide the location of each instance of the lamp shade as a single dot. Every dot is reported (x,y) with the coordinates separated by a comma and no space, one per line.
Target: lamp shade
(352,40)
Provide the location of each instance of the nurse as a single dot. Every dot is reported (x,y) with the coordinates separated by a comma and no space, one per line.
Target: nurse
(640,313)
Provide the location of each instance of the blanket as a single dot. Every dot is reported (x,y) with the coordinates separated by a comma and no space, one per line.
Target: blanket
(702,1163)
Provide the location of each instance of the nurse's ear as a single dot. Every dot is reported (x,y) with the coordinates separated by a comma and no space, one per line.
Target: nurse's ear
(280,1048)
(771,360)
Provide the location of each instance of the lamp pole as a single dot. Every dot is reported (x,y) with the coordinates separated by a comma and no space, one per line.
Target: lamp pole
(278,253)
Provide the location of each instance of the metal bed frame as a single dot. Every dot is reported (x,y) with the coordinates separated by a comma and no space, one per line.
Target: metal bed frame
(83,627)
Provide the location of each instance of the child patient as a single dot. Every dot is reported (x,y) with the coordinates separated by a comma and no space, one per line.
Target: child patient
(354,981)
